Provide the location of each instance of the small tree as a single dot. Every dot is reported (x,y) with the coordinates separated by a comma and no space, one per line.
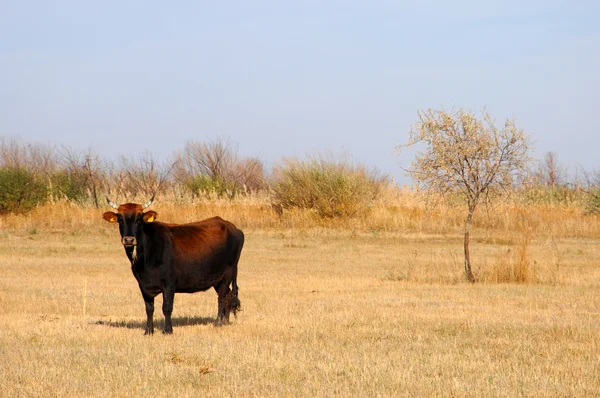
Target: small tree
(550,171)
(142,175)
(216,166)
(83,174)
(468,156)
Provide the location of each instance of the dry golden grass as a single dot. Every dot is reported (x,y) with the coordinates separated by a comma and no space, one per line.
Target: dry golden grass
(396,211)
(369,307)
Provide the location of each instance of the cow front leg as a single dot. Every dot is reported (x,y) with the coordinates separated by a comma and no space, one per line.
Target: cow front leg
(149,300)
(168,298)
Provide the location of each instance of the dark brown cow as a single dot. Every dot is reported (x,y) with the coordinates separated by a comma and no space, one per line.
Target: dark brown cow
(184,258)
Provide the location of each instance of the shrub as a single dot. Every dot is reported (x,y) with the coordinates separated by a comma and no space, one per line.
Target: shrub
(71,186)
(142,176)
(593,202)
(202,185)
(216,167)
(328,187)
(550,196)
(19,191)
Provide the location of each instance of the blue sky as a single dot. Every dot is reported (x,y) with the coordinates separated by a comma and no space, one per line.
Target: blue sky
(295,78)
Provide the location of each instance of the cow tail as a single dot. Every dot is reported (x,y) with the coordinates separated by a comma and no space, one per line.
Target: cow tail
(236,305)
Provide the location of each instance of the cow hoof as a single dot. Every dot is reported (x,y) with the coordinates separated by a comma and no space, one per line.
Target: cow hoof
(170,331)
(148,332)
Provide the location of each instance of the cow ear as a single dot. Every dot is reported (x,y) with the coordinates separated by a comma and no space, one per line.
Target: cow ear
(150,216)
(110,216)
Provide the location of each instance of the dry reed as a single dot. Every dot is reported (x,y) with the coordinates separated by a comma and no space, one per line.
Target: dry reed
(395,211)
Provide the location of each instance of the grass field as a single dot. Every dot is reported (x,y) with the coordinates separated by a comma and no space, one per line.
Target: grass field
(326,312)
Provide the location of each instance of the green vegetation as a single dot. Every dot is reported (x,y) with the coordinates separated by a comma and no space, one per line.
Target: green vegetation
(70,186)
(202,185)
(20,191)
(330,188)
(593,203)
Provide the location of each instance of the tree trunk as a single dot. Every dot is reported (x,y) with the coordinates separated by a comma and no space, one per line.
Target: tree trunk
(95,195)
(468,271)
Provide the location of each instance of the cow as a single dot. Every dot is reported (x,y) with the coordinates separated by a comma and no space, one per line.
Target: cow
(179,258)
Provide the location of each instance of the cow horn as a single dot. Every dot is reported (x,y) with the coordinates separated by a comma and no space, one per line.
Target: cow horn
(112,204)
(148,203)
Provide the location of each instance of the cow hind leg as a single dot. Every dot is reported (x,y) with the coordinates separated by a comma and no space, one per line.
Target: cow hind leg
(224,294)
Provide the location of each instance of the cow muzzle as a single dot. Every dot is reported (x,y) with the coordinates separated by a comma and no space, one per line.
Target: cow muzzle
(129,241)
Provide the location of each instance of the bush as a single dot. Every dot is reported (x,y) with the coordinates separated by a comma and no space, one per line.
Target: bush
(328,187)
(593,202)
(69,185)
(216,167)
(550,196)
(19,191)
(202,185)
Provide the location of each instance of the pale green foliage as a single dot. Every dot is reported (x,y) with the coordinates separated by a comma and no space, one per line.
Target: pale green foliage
(465,154)
(593,204)
(331,188)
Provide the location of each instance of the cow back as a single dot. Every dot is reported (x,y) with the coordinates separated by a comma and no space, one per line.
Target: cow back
(203,252)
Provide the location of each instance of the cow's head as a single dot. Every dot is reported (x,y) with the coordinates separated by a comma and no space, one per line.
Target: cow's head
(131,217)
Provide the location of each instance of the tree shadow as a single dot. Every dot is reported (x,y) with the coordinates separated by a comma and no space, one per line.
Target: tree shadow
(159,323)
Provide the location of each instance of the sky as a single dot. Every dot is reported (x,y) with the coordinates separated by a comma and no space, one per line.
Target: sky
(298,78)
